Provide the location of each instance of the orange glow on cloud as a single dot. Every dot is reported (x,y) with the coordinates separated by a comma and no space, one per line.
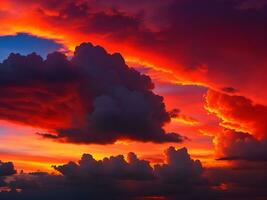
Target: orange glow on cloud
(238,113)
(185,120)
(31,22)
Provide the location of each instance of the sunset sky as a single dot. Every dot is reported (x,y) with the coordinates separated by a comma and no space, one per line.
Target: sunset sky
(181,84)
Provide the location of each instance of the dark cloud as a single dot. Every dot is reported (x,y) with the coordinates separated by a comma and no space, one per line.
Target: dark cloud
(229,90)
(179,168)
(114,24)
(210,39)
(189,170)
(113,178)
(94,98)
(239,182)
(116,178)
(241,146)
(6,169)
(114,167)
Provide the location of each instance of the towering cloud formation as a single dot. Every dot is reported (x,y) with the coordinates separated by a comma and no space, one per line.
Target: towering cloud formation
(245,136)
(94,98)
(189,170)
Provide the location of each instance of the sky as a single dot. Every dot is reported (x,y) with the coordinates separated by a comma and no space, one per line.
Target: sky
(113,99)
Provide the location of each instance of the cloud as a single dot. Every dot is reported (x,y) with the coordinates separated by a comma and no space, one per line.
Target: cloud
(180,177)
(179,167)
(114,167)
(241,146)
(244,137)
(112,177)
(207,47)
(94,98)
(238,183)
(213,48)
(6,169)
(238,113)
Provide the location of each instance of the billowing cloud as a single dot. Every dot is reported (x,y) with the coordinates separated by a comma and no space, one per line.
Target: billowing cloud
(94,98)
(180,177)
(238,113)
(180,168)
(189,170)
(233,145)
(114,167)
(115,178)
(245,131)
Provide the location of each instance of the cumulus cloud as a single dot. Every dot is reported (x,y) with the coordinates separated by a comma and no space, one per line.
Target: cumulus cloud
(113,177)
(116,177)
(233,145)
(180,177)
(94,98)
(244,137)
(179,167)
(114,167)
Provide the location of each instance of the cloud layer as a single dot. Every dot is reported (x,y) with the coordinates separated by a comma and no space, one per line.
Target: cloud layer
(114,178)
